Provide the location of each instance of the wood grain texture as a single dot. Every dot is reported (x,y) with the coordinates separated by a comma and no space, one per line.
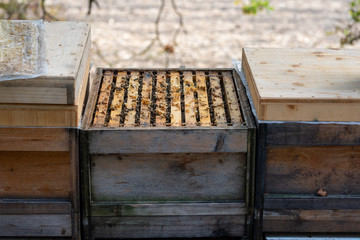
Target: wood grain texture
(307,134)
(103,101)
(161,104)
(217,98)
(232,99)
(29,206)
(34,139)
(295,170)
(166,227)
(35,174)
(311,221)
(191,105)
(118,100)
(310,202)
(35,225)
(146,100)
(303,84)
(32,115)
(132,96)
(168,209)
(204,108)
(67,50)
(176,99)
(159,140)
(170,177)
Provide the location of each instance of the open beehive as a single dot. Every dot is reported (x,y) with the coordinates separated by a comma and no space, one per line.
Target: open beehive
(166,153)
(307,163)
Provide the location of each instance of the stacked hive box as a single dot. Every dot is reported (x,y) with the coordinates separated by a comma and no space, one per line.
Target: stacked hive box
(38,139)
(308,158)
(167,153)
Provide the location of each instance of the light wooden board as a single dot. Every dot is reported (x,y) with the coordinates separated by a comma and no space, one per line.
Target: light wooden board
(35,175)
(191,105)
(304,84)
(167,227)
(171,177)
(204,109)
(32,115)
(35,225)
(168,209)
(217,98)
(132,97)
(303,170)
(232,100)
(176,99)
(118,100)
(145,112)
(157,140)
(161,104)
(34,139)
(67,50)
(321,221)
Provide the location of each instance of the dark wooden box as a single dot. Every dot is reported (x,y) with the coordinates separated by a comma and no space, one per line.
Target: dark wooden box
(307,172)
(39,179)
(167,153)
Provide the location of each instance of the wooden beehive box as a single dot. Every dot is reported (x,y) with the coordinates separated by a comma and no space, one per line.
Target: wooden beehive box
(304,84)
(39,182)
(298,161)
(167,153)
(55,99)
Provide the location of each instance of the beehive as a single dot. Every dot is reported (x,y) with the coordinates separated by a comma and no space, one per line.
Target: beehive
(39,173)
(307,177)
(55,99)
(166,153)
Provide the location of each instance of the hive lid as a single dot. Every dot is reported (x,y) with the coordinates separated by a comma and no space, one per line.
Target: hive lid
(304,84)
(67,47)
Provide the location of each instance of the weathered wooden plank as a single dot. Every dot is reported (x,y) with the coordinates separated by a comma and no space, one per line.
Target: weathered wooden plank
(191,106)
(232,100)
(321,221)
(44,95)
(176,99)
(170,177)
(295,170)
(28,206)
(35,174)
(159,140)
(118,100)
(103,101)
(322,134)
(217,98)
(204,109)
(310,202)
(35,225)
(34,139)
(168,209)
(145,112)
(133,93)
(161,104)
(167,227)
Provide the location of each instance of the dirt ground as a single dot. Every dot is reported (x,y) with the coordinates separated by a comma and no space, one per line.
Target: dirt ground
(214,31)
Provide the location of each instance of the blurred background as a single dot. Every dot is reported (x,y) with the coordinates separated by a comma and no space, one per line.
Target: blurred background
(197,33)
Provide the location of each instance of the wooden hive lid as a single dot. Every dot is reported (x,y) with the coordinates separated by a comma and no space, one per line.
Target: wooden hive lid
(67,57)
(304,84)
